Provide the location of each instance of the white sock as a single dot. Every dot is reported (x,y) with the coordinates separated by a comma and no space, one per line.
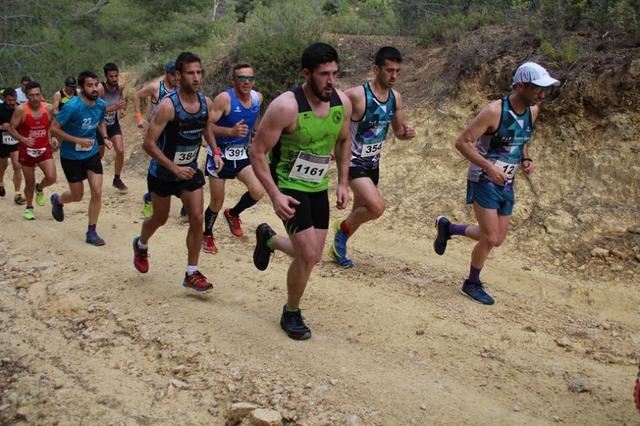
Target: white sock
(142,246)
(191,269)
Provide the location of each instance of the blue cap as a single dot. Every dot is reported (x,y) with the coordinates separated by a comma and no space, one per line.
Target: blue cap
(170,67)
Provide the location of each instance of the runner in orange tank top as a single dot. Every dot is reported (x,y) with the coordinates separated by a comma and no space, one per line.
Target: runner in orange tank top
(30,126)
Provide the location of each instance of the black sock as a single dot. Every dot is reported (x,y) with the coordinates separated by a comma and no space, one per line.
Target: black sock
(116,177)
(209,219)
(245,202)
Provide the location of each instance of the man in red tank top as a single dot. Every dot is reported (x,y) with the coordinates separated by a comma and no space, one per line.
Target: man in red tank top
(30,126)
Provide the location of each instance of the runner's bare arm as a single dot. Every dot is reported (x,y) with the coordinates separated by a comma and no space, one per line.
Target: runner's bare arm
(280,116)
(401,129)
(16,120)
(256,126)
(102,129)
(486,121)
(210,138)
(56,102)
(343,154)
(163,115)
(149,90)
(357,97)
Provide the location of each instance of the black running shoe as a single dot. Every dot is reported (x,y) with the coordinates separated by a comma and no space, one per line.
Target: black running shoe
(262,252)
(440,243)
(3,192)
(293,324)
(476,292)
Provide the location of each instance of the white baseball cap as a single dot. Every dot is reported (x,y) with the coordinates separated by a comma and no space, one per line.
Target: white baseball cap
(530,72)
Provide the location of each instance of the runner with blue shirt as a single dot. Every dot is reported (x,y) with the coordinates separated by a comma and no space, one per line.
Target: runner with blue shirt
(496,143)
(376,106)
(238,109)
(76,126)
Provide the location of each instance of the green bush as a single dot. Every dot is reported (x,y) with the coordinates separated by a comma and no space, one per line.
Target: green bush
(566,53)
(273,39)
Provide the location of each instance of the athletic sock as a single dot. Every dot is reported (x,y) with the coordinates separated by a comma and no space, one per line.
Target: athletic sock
(142,246)
(92,229)
(209,219)
(345,228)
(116,177)
(290,309)
(191,269)
(38,188)
(457,229)
(270,242)
(245,202)
(474,274)
(147,197)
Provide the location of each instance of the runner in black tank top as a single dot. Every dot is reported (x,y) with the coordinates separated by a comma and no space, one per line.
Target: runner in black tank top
(173,142)
(111,90)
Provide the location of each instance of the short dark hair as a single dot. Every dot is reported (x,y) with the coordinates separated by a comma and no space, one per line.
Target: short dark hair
(25,78)
(239,67)
(84,75)
(186,58)
(9,91)
(316,54)
(110,67)
(387,53)
(33,85)
(70,82)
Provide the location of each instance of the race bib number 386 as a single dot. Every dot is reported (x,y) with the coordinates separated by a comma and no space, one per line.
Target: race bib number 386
(185,154)
(309,167)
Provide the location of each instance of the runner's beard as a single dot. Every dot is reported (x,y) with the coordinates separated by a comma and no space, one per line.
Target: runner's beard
(91,96)
(316,91)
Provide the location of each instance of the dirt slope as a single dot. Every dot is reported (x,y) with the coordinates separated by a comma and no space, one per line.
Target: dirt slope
(85,339)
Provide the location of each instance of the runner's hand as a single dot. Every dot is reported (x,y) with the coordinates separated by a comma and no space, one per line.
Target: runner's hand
(497,175)
(120,105)
(218,162)
(185,173)
(85,142)
(55,143)
(342,194)
(240,129)
(141,123)
(108,143)
(29,141)
(527,166)
(284,205)
(409,132)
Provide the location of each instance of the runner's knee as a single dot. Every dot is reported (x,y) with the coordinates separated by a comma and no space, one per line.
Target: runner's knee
(377,208)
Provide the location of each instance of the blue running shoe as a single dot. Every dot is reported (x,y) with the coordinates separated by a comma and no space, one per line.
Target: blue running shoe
(338,249)
(94,239)
(476,292)
(57,209)
(440,243)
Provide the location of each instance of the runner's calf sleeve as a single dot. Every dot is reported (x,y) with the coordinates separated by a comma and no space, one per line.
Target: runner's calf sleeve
(245,202)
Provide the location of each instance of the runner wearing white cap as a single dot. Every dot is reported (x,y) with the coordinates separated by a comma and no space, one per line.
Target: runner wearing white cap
(496,145)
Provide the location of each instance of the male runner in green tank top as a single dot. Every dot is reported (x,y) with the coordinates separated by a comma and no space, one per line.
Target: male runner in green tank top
(301,127)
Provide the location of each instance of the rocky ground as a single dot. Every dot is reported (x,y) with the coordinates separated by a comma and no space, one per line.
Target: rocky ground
(85,339)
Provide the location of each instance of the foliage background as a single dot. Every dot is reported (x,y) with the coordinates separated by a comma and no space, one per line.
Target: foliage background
(51,40)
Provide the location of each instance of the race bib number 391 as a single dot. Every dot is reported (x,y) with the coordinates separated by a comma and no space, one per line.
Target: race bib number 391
(235,153)
(185,154)
(309,167)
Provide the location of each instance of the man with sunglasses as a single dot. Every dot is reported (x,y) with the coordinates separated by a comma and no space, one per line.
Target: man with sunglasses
(239,107)
(496,145)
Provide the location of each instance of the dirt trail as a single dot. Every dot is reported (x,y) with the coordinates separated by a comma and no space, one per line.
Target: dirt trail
(85,339)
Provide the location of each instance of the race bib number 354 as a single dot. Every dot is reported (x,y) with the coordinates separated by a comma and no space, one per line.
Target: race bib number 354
(309,167)
(372,149)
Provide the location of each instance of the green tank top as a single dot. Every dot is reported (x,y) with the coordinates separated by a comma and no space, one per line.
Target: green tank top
(300,160)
